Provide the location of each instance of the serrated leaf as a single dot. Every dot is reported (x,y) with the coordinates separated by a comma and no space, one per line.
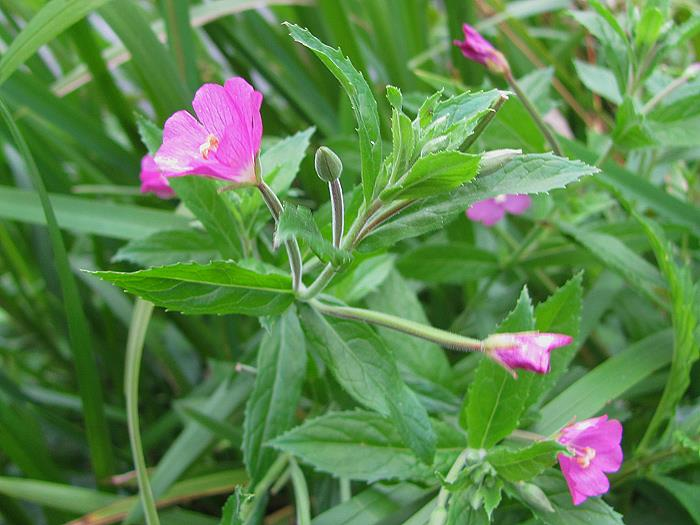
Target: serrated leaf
(364,105)
(271,406)
(169,247)
(496,400)
(366,446)
(231,513)
(593,510)
(461,510)
(678,123)
(536,173)
(525,463)
(281,161)
(151,135)
(215,288)
(433,174)
(365,368)
(202,198)
(297,221)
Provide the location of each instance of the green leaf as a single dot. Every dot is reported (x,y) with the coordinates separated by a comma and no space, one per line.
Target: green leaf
(607,382)
(151,135)
(686,346)
(593,510)
(600,80)
(53,18)
(677,123)
(366,446)
(56,495)
(458,263)
(364,105)
(81,345)
(631,130)
(82,215)
(433,174)
(685,493)
(202,198)
(231,513)
(297,221)
(495,399)
(281,161)
(649,26)
(273,403)
(365,368)
(363,278)
(524,174)
(525,463)
(215,288)
(169,247)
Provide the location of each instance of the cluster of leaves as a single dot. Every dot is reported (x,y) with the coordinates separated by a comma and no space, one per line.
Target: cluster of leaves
(255,390)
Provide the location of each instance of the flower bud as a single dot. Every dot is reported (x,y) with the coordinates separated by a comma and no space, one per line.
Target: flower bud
(534,496)
(475,47)
(436,144)
(526,350)
(328,165)
(492,161)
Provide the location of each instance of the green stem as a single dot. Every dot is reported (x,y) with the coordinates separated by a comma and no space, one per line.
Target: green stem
(688,74)
(274,472)
(479,129)
(134,351)
(439,515)
(530,107)
(345,490)
(429,333)
(275,207)
(301,494)
(336,193)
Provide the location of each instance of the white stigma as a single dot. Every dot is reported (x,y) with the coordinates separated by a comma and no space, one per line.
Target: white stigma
(500,199)
(211,144)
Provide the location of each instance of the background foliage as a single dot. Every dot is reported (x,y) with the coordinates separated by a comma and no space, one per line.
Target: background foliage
(228,404)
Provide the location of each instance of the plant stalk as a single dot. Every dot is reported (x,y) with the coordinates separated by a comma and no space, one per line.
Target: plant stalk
(530,107)
(439,515)
(429,333)
(483,124)
(336,193)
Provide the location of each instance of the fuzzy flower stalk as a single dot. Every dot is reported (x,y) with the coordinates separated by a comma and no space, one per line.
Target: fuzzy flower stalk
(594,448)
(525,350)
(476,48)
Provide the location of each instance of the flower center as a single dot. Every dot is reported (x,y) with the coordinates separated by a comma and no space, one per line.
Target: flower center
(500,199)
(209,145)
(585,457)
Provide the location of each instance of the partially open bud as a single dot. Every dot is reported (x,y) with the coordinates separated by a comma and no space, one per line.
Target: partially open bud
(526,350)
(475,47)
(328,165)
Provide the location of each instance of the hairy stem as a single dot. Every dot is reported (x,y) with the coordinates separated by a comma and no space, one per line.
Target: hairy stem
(336,193)
(479,129)
(439,515)
(429,333)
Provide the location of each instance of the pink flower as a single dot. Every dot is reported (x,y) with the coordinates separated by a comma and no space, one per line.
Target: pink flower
(152,180)
(222,142)
(490,211)
(595,448)
(475,47)
(527,350)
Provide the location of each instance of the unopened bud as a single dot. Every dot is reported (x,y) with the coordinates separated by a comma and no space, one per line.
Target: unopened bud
(534,496)
(436,144)
(328,165)
(492,161)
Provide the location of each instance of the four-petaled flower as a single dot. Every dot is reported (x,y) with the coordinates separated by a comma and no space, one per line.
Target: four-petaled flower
(490,211)
(222,142)
(475,47)
(526,350)
(153,180)
(594,445)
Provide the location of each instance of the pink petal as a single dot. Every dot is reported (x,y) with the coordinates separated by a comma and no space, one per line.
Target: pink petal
(582,482)
(248,102)
(488,212)
(517,204)
(182,137)
(571,433)
(217,111)
(152,180)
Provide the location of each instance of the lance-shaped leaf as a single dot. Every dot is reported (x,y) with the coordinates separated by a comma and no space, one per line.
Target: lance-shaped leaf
(272,404)
(366,446)
(297,221)
(433,174)
(169,247)
(364,105)
(215,288)
(537,173)
(524,463)
(365,368)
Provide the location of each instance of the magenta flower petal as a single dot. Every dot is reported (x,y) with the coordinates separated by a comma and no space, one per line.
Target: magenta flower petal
(152,180)
(526,350)
(595,445)
(488,212)
(517,204)
(223,143)
(475,47)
